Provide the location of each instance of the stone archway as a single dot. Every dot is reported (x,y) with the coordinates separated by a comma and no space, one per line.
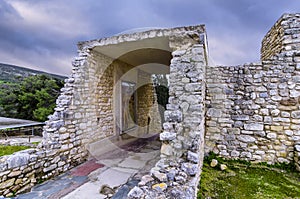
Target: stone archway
(91,105)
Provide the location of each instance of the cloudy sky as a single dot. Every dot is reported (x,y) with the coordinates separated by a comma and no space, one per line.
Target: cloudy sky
(42,34)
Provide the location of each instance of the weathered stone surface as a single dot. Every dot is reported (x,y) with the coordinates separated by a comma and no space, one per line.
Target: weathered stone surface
(167,136)
(214,163)
(212,112)
(296,114)
(254,127)
(192,87)
(240,117)
(173,116)
(14,173)
(223,167)
(7,183)
(160,187)
(189,168)
(17,160)
(145,179)
(246,138)
(193,157)
(135,193)
(162,177)
(166,149)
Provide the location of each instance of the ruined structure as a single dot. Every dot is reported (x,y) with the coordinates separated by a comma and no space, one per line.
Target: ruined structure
(249,112)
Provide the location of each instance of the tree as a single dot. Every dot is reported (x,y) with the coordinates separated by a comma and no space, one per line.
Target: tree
(8,99)
(33,99)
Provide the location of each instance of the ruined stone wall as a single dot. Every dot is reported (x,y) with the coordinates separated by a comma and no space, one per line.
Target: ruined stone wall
(253,110)
(61,148)
(283,36)
(177,174)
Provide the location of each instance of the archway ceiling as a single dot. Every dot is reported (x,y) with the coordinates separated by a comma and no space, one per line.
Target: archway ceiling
(152,55)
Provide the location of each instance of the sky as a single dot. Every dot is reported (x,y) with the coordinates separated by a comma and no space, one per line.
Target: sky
(43,34)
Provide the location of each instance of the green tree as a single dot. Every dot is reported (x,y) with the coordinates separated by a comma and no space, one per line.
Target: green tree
(8,99)
(34,98)
(37,97)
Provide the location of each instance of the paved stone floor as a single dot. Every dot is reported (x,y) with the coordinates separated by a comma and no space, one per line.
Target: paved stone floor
(110,175)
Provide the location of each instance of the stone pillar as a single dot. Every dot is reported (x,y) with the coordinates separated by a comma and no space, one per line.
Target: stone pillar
(183,135)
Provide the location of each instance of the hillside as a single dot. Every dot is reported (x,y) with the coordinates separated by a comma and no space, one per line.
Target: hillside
(11,73)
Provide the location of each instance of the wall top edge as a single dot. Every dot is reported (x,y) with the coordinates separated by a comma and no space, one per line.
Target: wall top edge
(141,35)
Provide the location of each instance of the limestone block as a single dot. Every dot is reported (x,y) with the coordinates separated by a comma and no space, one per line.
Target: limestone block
(17,160)
(264,112)
(275,112)
(160,187)
(135,193)
(277,128)
(192,87)
(240,117)
(294,93)
(246,138)
(178,53)
(272,135)
(283,160)
(7,183)
(50,168)
(223,167)
(166,149)
(166,136)
(212,112)
(173,116)
(257,157)
(260,133)
(234,153)
(296,138)
(246,154)
(259,152)
(145,179)
(184,106)
(214,163)
(296,114)
(189,168)
(254,127)
(14,173)
(193,157)
(162,177)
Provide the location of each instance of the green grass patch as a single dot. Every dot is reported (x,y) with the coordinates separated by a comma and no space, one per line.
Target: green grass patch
(245,180)
(8,150)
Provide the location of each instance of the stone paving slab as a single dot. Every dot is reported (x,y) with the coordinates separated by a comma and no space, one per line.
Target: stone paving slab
(89,190)
(62,184)
(120,174)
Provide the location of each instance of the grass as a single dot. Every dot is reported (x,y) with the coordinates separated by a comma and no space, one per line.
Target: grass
(8,150)
(249,181)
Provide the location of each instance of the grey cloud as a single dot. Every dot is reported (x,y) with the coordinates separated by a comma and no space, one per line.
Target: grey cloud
(235,28)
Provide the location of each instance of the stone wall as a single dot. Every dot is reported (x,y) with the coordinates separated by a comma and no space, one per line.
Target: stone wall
(249,112)
(283,36)
(61,148)
(253,110)
(177,174)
